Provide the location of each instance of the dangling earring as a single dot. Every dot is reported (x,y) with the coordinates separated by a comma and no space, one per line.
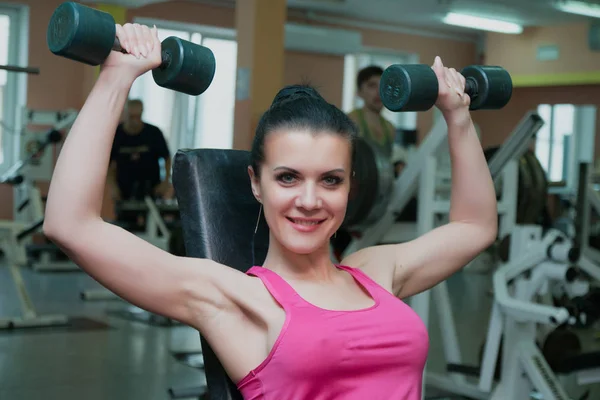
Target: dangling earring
(335,235)
(258,219)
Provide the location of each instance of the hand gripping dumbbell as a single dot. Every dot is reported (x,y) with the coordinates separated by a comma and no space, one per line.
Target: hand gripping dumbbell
(414,87)
(88,35)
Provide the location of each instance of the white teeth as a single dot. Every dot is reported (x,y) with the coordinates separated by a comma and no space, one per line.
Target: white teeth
(305,222)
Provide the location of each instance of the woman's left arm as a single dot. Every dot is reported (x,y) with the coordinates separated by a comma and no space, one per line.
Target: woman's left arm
(424,262)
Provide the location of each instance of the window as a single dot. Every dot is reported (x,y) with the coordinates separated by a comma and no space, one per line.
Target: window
(13,85)
(4,28)
(355,62)
(188,121)
(553,140)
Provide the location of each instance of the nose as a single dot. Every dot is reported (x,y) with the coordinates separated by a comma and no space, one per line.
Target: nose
(308,198)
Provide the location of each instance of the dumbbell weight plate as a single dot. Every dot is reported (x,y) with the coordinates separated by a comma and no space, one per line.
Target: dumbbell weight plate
(411,87)
(187,67)
(68,37)
(494,86)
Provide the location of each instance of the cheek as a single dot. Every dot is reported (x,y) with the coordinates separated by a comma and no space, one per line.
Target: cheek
(336,201)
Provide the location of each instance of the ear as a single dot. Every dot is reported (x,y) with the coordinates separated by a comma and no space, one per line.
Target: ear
(255,183)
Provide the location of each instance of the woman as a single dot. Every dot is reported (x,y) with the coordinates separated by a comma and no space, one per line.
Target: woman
(311,329)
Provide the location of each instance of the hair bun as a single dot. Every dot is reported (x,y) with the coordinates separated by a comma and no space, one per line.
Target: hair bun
(294,92)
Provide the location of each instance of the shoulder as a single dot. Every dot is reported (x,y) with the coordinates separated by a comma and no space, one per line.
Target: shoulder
(353,115)
(389,125)
(152,128)
(119,132)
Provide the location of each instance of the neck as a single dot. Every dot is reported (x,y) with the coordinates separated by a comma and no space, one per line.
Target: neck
(132,129)
(369,112)
(316,266)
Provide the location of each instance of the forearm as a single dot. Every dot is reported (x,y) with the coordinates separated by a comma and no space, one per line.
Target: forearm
(473,197)
(77,186)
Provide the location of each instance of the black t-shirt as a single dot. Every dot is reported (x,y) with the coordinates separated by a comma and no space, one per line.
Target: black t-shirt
(137,159)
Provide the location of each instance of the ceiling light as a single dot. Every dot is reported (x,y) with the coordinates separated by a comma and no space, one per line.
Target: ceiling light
(487,24)
(580,8)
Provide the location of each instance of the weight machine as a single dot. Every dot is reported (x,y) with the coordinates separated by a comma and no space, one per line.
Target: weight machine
(536,260)
(37,164)
(28,219)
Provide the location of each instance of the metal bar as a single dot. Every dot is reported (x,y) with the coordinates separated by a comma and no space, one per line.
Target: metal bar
(14,68)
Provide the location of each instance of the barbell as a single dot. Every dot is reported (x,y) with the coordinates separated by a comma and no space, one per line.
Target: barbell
(88,35)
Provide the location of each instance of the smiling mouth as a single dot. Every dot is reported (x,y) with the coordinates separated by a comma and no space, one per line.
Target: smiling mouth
(306,222)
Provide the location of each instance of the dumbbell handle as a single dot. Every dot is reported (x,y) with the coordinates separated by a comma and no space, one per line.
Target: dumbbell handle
(471,87)
(165,56)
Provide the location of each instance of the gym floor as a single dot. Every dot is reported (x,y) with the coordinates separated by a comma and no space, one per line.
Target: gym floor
(108,357)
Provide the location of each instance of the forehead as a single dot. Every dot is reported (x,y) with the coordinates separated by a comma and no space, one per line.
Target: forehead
(304,150)
(372,81)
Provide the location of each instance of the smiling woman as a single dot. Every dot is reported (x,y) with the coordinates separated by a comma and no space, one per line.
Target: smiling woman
(311,329)
(301,160)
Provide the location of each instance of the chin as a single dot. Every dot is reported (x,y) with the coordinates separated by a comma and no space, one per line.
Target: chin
(303,247)
(306,242)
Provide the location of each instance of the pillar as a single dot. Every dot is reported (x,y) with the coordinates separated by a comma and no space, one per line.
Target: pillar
(260,63)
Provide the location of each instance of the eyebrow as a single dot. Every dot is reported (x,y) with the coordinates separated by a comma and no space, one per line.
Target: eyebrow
(340,170)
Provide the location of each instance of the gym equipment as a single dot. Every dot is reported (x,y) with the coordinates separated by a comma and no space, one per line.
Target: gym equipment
(36,163)
(372,182)
(88,35)
(532,187)
(414,87)
(535,260)
(28,219)
(405,186)
(26,70)
(560,344)
(510,354)
(214,195)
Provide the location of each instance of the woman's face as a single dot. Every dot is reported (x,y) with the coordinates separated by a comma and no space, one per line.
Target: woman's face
(303,186)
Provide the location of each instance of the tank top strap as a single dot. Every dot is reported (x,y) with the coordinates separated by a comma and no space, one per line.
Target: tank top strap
(276,285)
(374,288)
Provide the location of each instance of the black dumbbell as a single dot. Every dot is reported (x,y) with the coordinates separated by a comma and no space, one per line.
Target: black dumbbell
(414,87)
(88,35)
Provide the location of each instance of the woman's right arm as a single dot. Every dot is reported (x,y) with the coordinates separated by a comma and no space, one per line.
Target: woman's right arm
(184,289)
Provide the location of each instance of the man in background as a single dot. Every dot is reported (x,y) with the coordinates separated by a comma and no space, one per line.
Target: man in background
(134,170)
(373,127)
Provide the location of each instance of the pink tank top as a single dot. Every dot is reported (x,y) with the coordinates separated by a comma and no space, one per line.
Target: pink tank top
(377,353)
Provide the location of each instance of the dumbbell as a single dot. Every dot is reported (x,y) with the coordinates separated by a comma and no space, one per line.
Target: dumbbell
(414,87)
(88,35)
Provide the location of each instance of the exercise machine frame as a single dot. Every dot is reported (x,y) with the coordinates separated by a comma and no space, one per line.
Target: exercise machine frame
(28,218)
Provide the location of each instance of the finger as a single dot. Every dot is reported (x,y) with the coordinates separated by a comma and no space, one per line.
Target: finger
(132,39)
(451,74)
(438,67)
(463,81)
(155,38)
(141,41)
(123,39)
(147,39)
(449,78)
(455,81)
